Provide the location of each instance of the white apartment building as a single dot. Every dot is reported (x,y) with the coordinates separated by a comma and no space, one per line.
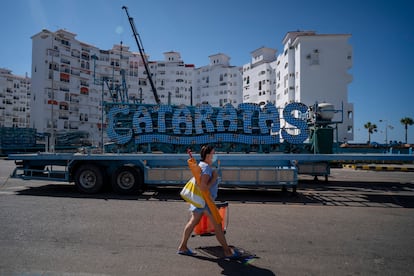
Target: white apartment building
(64,95)
(311,69)
(14,99)
(259,79)
(218,83)
(173,79)
(314,68)
(71,79)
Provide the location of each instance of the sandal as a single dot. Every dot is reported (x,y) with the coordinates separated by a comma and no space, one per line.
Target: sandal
(187,252)
(236,255)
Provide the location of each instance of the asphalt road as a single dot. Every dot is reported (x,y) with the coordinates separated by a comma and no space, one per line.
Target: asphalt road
(358,223)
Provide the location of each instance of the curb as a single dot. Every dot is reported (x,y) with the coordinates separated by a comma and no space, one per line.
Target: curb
(379,167)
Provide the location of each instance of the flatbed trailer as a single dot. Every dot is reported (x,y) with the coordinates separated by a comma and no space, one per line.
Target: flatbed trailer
(133,173)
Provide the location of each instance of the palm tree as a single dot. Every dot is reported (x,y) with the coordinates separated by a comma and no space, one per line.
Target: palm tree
(406,121)
(371,129)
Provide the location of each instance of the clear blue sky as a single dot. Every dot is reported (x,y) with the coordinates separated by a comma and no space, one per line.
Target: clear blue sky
(382,39)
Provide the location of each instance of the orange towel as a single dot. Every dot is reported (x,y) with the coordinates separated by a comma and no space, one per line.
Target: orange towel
(196,171)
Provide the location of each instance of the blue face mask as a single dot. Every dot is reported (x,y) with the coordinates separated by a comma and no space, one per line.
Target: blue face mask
(214,159)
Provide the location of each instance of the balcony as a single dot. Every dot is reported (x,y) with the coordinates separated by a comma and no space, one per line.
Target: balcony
(65,77)
(63,106)
(54,102)
(85,56)
(75,53)
(84,90)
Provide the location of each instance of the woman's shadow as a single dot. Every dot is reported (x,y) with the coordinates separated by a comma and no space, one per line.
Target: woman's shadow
(240,266)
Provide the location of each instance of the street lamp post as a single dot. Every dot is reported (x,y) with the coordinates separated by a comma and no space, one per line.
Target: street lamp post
(52,140)
(102,83)
(386,132)
(387,125)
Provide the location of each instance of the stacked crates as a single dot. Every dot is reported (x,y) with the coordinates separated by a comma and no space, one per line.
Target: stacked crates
(17,139)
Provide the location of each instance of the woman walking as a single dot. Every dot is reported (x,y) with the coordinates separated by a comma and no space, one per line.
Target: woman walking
(208,182)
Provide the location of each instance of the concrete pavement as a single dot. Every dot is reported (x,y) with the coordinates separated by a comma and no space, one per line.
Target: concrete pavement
(358,223)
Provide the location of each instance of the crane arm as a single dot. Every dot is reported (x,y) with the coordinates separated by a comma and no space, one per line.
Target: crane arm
(142,53)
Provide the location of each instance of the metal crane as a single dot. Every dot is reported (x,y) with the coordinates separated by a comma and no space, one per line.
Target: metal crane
(143,56)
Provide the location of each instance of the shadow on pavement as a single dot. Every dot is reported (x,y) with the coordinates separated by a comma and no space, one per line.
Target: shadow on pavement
(240,266)
(337,193)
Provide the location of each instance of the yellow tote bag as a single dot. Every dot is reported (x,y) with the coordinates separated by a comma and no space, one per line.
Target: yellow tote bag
(192,194)
(196,171)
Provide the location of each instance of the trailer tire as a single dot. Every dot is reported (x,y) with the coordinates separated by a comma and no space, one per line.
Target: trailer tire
(89,179)
(127,180)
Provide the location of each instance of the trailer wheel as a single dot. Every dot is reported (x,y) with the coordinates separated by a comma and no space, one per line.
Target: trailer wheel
(127,180)
(89,179)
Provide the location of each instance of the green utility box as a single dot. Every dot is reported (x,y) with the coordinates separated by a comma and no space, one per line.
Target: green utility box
(322,140)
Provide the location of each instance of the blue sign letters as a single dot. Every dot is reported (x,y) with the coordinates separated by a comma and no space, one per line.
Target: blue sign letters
(186,125)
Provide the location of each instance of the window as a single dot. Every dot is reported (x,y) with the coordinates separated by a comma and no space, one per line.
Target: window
(314,59)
